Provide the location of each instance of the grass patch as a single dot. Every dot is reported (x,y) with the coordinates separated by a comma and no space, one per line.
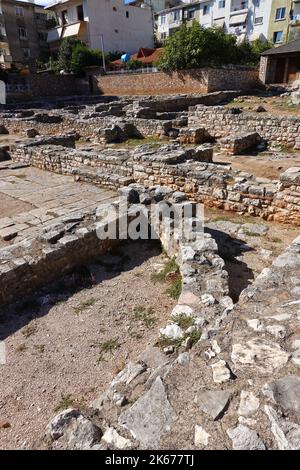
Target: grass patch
(165,341)
(29,330)
(66,401)
(146,315)
(195,336)
(251,234)
(40,348)
(107,347)
(275,239)
(21,348)
(170,267)
(84,305)
(175,288)
(182,320)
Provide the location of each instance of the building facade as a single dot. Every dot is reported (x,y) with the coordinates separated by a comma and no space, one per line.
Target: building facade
(247,19)
(284,23)
(111,23)
(23,33)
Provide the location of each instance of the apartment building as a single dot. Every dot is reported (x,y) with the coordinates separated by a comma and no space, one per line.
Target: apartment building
(247,19)
(23,33)
(155,5)
(284,25)
(111,23)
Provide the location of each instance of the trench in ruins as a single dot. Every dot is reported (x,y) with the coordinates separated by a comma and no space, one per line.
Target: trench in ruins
(67,342)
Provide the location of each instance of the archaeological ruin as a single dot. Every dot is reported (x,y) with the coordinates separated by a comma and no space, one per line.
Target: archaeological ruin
(174,343)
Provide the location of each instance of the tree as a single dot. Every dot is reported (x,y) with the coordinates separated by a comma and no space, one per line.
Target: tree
(133,64)
(65,54)
(195,46)
(82,57)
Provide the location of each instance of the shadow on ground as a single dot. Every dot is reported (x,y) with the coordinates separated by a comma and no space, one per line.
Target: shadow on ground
(124,257)
(239,274)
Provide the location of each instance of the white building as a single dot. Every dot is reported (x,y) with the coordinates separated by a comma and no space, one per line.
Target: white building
(120,27)
(247,19)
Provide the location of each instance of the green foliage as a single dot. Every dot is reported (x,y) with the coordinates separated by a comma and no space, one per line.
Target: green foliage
(183,320)
(74,55)
(170,267)
(175,288)
(133,64)
(65,54)
(82,56)
(114,55)
(194,46)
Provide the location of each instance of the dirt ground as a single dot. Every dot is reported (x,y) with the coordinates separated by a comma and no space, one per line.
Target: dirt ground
(267,164)
(280,104)
(12,206)
(66,350)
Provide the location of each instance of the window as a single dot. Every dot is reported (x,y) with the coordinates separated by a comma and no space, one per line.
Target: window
(19,11)
(206,9)
(163,19)
(191,14)
(22,33)
(114,8)
(127,14)
(163,36)
(258,20)
(280,13)
(26,52)
(80,14)
(277,37)
(221,4)
(64,17)
(176,15)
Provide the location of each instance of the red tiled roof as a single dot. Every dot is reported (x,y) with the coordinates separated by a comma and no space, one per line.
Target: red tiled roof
(144,55)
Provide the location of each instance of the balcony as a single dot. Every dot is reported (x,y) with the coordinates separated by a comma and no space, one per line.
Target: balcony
(239,7)
(295,20)
(77,29)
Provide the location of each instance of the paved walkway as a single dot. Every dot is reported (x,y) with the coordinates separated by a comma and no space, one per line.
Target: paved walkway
(31,198)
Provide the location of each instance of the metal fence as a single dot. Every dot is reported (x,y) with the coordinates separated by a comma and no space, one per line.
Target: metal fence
(149,69)
(17,88)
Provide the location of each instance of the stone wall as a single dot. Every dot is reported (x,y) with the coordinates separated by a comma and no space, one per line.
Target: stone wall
(220,121)
(212,184)
(49,261)
(48,84)
(185,81)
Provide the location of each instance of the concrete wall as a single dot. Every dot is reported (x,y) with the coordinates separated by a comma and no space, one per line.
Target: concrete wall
(185,81)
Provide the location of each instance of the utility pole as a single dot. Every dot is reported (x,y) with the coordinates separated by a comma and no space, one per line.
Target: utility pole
(103,55)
